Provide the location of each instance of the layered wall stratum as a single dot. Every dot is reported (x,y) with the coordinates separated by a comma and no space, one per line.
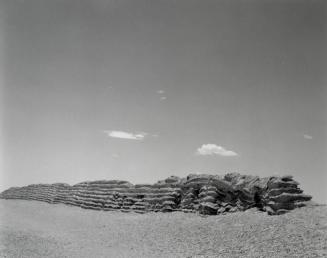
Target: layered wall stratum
(206,194)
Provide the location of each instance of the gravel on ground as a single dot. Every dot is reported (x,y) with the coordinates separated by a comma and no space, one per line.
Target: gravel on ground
(37,229)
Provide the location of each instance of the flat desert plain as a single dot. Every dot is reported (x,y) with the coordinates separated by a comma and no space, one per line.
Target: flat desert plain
(36,229)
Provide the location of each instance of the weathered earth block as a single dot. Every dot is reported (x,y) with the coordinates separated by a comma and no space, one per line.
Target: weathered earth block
(206,194)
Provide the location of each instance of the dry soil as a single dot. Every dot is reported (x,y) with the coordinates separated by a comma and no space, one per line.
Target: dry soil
(37,229)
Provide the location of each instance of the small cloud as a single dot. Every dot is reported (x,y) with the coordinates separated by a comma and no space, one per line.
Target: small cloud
(115,156)
(163,98)
(160,91)
(213,149)
(308,137)
(126,135)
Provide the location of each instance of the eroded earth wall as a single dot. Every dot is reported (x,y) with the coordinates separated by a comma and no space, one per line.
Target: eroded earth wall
(206,194)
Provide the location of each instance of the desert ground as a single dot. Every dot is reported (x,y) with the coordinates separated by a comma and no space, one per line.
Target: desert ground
(37,229)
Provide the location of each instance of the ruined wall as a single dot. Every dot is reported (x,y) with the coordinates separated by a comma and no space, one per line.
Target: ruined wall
(206,194)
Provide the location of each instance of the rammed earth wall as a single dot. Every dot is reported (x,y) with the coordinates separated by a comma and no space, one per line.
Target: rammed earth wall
(206,194)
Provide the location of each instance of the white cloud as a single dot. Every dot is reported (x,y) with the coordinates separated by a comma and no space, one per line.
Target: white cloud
(126,135)
(308,137)
(160,91)
(213,149)
(163,98)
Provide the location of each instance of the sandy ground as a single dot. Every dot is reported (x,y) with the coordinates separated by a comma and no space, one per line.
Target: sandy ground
(36,229)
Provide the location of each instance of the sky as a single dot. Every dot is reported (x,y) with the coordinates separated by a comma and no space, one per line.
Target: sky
(141,90)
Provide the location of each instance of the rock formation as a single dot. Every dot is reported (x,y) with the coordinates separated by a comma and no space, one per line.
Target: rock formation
(206,194)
